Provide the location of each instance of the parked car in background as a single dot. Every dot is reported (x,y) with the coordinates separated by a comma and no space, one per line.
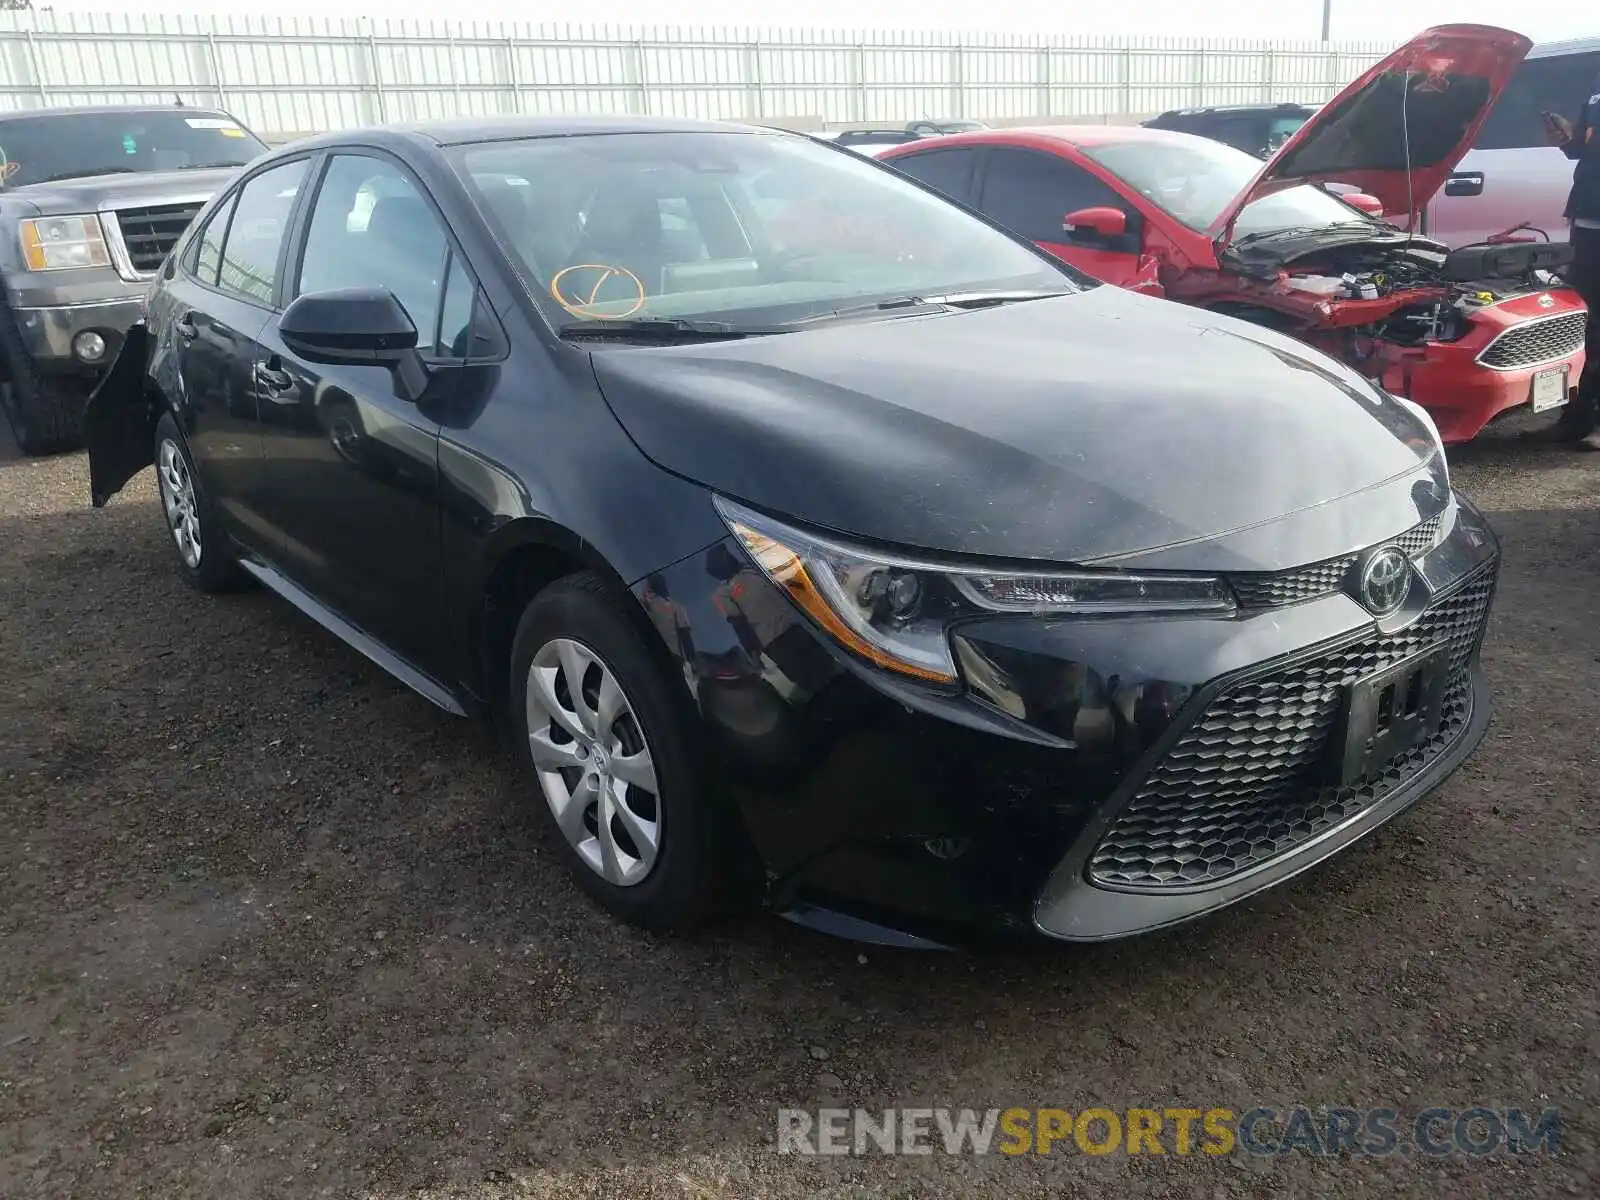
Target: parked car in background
(1512,175)
(1468,335)
(843,548)
(1257,129)
(91,200)
(871,139)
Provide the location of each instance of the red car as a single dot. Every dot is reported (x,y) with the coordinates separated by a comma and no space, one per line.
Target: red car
(1467,333)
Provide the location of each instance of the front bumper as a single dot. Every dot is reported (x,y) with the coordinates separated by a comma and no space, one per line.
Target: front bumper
(48,333)
(896,814)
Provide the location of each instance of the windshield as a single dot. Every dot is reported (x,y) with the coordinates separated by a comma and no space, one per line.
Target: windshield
(1195,179)
(738,228)
(71,145)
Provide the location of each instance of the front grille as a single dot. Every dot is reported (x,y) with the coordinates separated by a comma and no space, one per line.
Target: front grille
(1279,588)
(1244,783)
(1545,339)
(150,233)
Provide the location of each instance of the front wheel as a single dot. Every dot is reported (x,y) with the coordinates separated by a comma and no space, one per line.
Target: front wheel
(607,745)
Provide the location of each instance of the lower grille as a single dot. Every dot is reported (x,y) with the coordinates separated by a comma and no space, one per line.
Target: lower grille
(1299,584)
(1544,339)
(150,233)
(1243,784)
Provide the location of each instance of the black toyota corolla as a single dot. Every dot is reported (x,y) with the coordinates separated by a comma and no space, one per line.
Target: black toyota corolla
(808,536)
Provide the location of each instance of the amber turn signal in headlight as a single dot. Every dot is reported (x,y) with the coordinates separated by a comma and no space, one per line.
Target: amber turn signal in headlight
(62,243)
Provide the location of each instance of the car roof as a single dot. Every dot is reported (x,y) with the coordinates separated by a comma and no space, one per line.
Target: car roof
(1280,106)
(1571,46)
(467,130)
(79,110)
(1066,135)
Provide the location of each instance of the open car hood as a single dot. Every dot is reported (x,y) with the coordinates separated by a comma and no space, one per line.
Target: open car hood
(1432,93)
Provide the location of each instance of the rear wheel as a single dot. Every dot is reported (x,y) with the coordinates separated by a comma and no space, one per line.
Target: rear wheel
(607,745)
(203,553)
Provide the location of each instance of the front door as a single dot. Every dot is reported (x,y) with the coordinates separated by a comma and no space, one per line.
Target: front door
(353,467)
(1032,192)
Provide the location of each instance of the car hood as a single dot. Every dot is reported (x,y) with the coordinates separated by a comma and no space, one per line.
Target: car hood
(1444,81)
(1083,428)
(100,193)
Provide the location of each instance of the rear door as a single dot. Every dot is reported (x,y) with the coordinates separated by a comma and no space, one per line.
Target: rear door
(1512,174)
(207,320)
(1031,192)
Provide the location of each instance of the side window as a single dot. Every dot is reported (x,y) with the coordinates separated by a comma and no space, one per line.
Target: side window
(946,171)
(1558,84)
(249,265)
(372,228)
(204,255)
(1031,193)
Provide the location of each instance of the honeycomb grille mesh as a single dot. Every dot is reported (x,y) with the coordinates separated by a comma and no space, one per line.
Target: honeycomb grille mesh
(1244,783)
(1280,588)
(1536,342)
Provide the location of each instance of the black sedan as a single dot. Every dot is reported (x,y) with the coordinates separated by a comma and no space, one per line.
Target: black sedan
(809,537)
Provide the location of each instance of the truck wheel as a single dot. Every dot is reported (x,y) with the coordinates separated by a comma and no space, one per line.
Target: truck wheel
(45,414)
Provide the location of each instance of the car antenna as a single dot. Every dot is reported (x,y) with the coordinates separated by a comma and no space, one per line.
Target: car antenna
(177,102)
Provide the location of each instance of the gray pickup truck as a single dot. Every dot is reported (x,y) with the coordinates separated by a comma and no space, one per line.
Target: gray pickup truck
(91,200)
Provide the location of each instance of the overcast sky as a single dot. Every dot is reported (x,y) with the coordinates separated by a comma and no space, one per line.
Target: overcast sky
(1381,20)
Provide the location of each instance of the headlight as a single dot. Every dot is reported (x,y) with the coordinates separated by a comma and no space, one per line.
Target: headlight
(61,243)
(1427,420)
(896,612)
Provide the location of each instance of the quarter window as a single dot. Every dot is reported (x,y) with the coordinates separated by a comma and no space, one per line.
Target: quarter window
(373,228)
(249,265)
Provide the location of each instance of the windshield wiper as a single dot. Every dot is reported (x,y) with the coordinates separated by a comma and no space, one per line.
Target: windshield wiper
(89,174)
(913,305)
(211,166)
(665,329)
(1303,231)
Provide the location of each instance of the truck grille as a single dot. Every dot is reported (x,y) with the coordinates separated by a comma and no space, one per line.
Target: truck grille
(1545,339)
(1299,584)
(1244,784)
(150,233)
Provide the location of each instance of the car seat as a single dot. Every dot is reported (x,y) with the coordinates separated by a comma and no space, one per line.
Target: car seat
(624,229)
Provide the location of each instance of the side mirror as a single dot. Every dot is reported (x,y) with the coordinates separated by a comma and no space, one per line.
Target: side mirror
(1370,205)
(1101,221)
(357,326)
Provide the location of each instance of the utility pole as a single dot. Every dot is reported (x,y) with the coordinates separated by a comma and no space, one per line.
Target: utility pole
(1327,18)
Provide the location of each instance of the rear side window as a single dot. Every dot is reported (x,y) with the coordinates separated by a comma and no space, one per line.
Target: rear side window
(206,256)
(1559,84)
(249,267)
(1031,193)
(947,171)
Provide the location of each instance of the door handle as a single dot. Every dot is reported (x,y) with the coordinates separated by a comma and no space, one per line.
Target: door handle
(276,384)
(185,328)
(1464,183)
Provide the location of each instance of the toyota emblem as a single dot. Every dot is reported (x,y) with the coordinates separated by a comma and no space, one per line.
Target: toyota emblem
(1385,580)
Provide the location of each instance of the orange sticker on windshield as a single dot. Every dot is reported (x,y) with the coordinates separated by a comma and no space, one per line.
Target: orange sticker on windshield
(580,296)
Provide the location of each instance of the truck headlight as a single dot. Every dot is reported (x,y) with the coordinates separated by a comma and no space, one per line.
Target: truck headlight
(63,243)
(896,612)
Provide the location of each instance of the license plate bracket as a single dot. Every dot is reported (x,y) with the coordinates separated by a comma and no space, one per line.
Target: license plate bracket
(1549,389)
(1391,712)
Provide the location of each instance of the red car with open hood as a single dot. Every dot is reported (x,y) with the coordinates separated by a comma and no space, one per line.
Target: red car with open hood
(1467,333)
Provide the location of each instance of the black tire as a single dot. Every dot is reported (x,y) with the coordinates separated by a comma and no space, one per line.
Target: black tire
(45,412)
(681,887)
(214,570)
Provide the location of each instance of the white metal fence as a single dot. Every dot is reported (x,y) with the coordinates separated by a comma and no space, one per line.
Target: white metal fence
(298,76)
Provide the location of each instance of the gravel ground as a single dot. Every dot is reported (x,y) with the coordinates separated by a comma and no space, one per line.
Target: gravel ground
(273,926)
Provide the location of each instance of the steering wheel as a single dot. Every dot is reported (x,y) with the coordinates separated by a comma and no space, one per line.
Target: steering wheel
(579,294)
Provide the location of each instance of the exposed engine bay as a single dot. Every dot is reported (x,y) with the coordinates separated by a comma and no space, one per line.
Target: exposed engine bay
(1363,298)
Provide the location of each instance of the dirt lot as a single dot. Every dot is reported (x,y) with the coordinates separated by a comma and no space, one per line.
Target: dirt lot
(273,926)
